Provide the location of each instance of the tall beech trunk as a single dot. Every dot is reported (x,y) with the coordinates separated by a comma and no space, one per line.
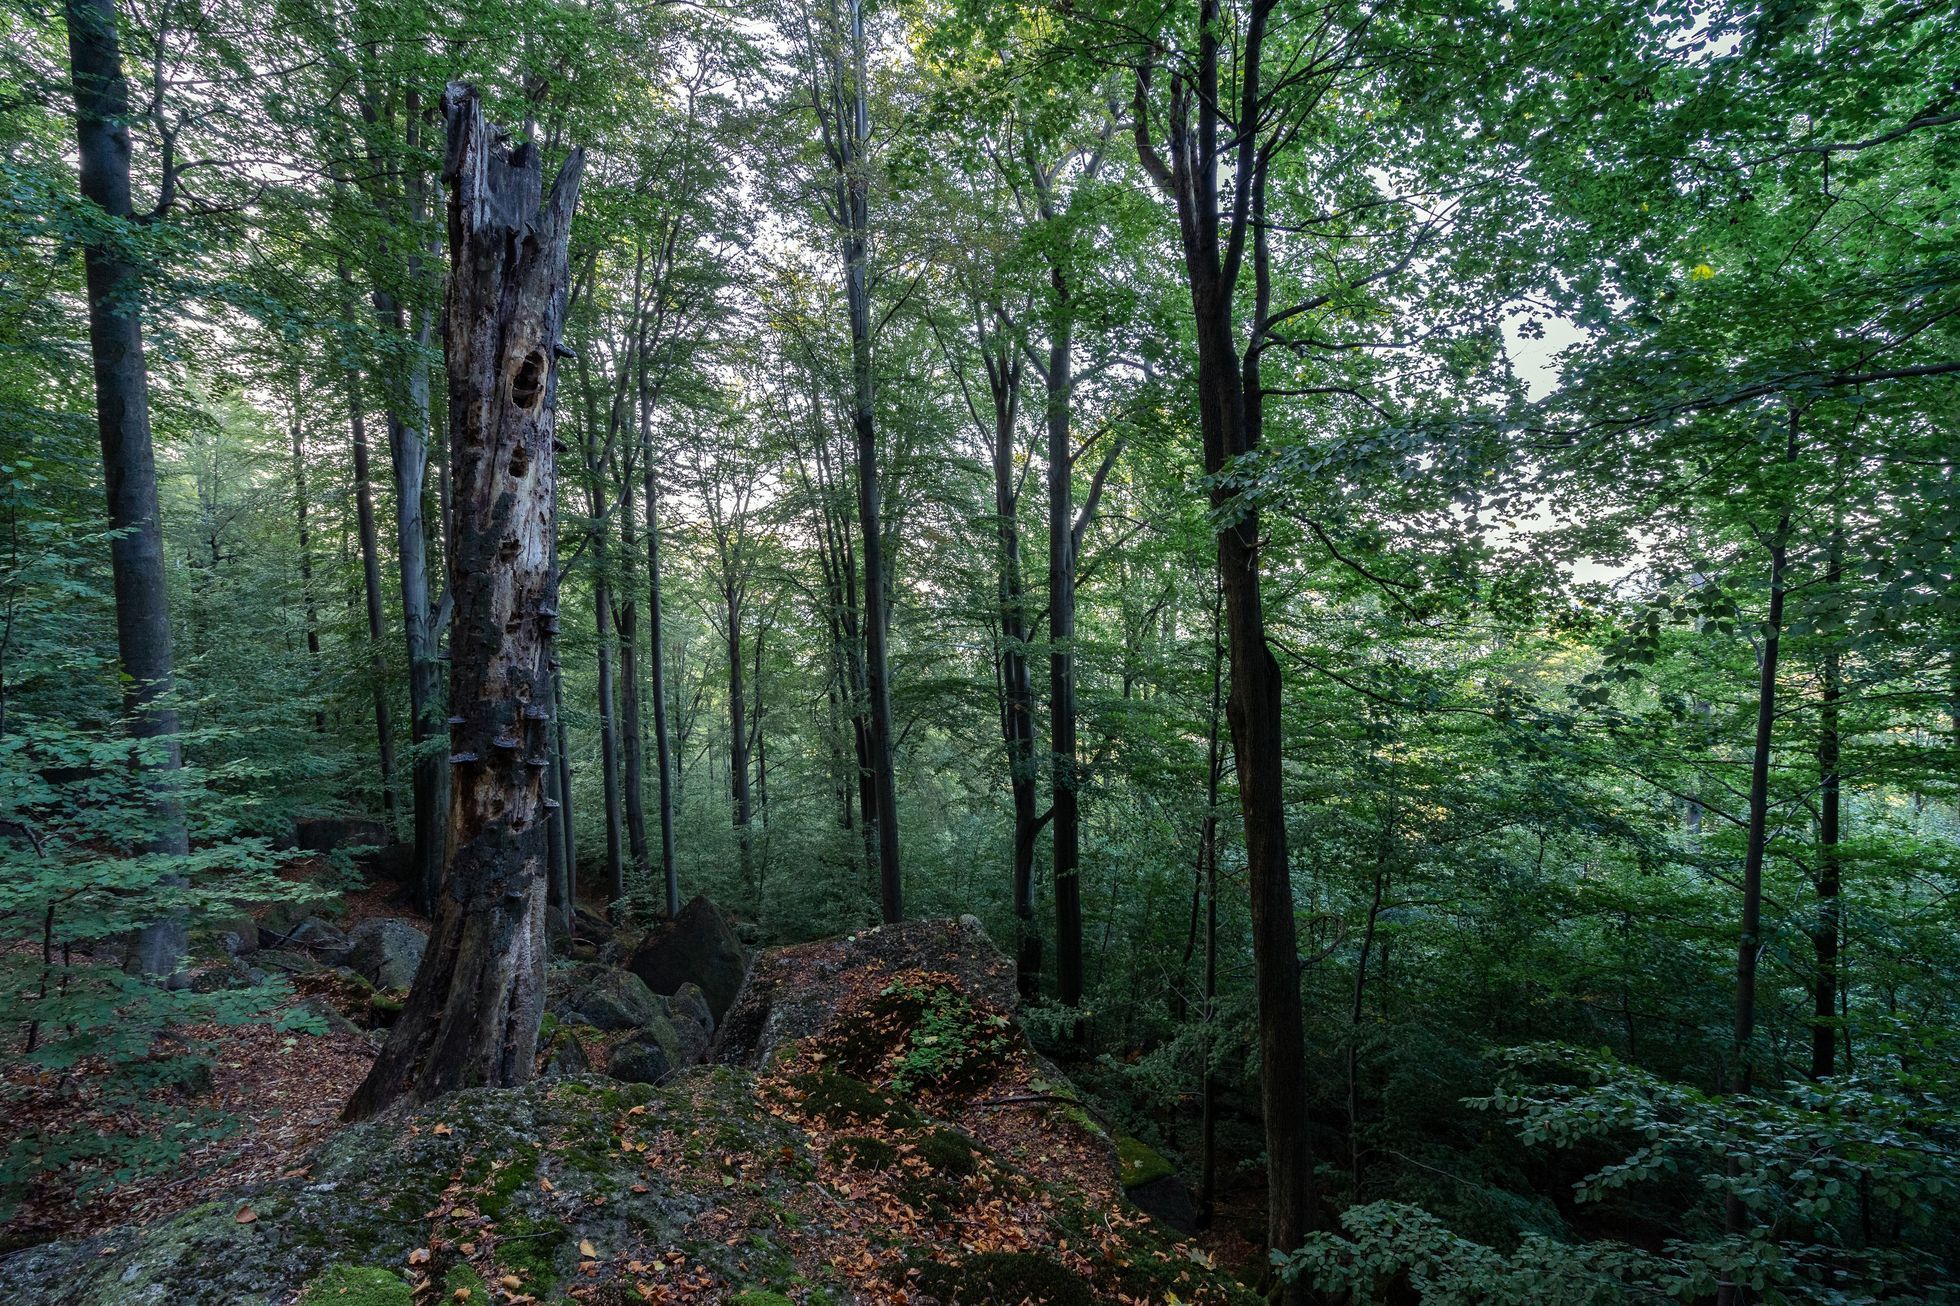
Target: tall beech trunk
(608,737)
(371,587)
(558,881)
(567,831)
(1207,827)
(846,116)
(626,621)
(408,447)
(1742,1069)
(741,808)
(409,439)
(122,416)
(301,509)
(1017,682)
(472,1015)
(1231,420)
(657,678)
(1830,922)
(1066,821)
(1065,534)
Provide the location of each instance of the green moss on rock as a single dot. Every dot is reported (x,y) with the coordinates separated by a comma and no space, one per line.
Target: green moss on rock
(1141,1162)
(1005,1279)
(840,1099)
(859,1153)
(357,1285)
(950,1152)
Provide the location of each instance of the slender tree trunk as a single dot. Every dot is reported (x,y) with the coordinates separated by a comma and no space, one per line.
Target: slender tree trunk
(408,456)
(301,508)
(738,734)
(567,832)
(1749,940)
(1356,1009)
(627,623)
(1214,778)
(1017,684)
(757,711)
(122,414)
(1829,927)
(853,189)
(608,741)
(558,902)
(1231,419)
(472,1015)
(1208,1093)
(657,669)
(371,588)
(1066,831)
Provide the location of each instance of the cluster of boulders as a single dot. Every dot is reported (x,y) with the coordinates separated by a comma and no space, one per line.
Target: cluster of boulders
(665,990)
(652,1000)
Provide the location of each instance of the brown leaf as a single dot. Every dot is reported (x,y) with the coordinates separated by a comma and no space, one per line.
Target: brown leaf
(442,1130)
(585,1247)
(420,1256)
(245,1215)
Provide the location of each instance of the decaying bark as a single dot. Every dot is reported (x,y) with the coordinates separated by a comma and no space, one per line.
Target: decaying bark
(472,1015)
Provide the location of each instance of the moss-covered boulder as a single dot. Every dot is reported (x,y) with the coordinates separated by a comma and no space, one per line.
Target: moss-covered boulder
(604,997)
(527,1179)
(793,992)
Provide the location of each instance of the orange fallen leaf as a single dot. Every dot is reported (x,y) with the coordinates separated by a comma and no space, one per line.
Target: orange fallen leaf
(245,1215)
(442,1130)
(511,1283)
(420,1256)
(585,1247)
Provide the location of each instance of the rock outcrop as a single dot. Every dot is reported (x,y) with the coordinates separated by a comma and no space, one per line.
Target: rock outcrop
(901,1143)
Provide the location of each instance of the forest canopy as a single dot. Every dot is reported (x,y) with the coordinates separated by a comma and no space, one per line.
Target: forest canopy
(1402,559)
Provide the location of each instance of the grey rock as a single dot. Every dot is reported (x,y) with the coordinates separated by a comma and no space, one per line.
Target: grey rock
(1166,1200)
(787,996)
(691,1004)
(568,1057)
(651,1056)
(362,1200)
(603,997)
(698,947)
(322,1010)
(284,961)
(386,952)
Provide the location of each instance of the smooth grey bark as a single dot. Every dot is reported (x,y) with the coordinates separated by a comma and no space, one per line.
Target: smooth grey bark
(1742,1069)
(404,391)
(301,509)
(1829,926)
(371,585)
(1064,799)
(1206,153)
(842,107)
(473,1013)
(626,623)
(657,678)
(122,414)
(608,738)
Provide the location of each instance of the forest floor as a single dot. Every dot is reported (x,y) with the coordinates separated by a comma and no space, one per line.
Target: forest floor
(1042,1180)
